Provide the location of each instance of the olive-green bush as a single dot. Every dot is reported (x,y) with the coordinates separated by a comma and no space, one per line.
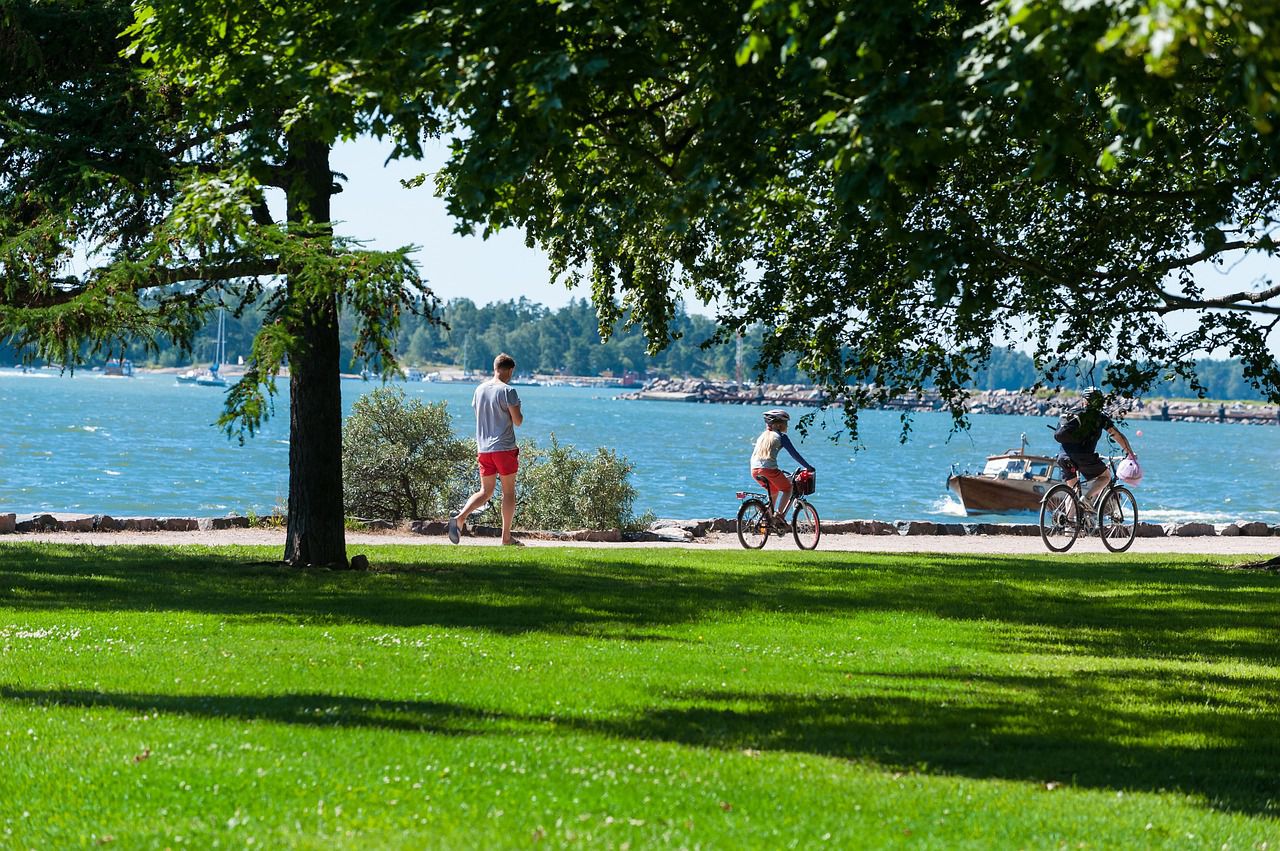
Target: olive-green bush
(562,487)
(402,460)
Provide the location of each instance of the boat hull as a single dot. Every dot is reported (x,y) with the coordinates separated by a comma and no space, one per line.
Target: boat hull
(983,495)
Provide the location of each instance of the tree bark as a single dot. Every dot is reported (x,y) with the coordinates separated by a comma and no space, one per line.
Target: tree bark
(315,528)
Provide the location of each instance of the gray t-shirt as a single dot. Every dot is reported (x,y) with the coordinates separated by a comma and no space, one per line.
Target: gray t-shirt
(493,402)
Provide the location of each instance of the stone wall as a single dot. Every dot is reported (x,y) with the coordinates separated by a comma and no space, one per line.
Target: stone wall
(660,530)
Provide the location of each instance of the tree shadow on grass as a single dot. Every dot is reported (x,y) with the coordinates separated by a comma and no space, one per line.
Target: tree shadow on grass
(311,710)
(1106,607)
(1069,729)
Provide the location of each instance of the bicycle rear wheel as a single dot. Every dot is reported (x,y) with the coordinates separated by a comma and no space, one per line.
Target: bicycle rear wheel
(1059,518)
(805,526)
(1118,519)
(753,524)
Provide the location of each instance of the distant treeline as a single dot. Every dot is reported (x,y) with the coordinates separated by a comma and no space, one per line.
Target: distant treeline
(566,340)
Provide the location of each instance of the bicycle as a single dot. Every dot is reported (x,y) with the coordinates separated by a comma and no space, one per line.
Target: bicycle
(1063,515)
(756,516)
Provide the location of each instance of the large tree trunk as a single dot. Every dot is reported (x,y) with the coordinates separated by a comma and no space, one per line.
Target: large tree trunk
(315,532)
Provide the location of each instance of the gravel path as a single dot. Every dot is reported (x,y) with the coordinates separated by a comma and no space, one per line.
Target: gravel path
(985,544)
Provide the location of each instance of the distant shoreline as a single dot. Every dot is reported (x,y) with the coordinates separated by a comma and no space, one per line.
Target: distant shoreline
(1008,402)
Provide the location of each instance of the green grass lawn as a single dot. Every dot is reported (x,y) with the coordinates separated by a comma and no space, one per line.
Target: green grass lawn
(598,698)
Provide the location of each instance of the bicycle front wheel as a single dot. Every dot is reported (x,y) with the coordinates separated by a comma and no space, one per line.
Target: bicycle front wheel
(1118,519)
(805,526)
(1059,518)
(753,524)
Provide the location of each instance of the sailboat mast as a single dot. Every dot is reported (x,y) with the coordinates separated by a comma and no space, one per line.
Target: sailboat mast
(220,352)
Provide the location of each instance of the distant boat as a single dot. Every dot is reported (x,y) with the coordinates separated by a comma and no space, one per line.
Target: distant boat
(1009,482)
(209,377)
(118,368)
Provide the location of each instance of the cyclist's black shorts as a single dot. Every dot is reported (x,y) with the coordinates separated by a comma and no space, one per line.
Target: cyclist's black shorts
(1087,462)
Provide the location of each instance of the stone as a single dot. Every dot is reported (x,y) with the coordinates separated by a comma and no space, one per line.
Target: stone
(45,523)
(724,524)
(106,523)
(427,527)
(141,524)
(179,524)
(8,524)
(858,527)
(921,527)
(842,527)
(1253,529)
(671,533)
(1190,530)
(599,536)
(1149,530)
(204,524)
(1230,530)
(232,522)
(950,528)
(360,562)
(77,524)
(696,528)
(878,527)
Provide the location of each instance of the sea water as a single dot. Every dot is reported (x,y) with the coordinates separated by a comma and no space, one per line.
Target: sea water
(147,446)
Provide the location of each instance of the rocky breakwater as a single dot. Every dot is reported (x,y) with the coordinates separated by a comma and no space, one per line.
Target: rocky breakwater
(1014,402)
(726,392)
(1034,405)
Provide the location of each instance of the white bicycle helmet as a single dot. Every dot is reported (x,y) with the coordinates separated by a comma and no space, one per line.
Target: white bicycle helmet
(777,415)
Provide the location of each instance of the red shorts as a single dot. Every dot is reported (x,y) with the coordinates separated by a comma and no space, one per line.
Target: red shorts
(504,463)
(779,482)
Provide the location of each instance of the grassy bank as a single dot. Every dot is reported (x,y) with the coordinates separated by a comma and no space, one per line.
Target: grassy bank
(595,698)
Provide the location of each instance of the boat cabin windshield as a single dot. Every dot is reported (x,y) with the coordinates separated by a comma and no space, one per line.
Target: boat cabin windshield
(1016,468)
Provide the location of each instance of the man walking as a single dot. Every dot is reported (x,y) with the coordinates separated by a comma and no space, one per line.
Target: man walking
(497,409)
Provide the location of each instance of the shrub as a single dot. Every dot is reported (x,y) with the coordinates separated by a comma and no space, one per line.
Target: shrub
(401,459)
(562,487)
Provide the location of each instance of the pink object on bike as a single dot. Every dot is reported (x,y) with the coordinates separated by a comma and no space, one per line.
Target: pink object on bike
(1129,471)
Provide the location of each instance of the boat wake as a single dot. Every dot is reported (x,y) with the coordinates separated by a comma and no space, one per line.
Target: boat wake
(949,506)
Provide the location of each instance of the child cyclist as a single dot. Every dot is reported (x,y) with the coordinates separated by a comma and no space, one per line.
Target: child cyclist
(764,460)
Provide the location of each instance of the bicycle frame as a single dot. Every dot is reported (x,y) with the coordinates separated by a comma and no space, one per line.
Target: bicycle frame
(1087,518)
(797,504)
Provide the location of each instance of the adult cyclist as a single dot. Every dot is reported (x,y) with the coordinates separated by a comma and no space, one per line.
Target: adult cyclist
(764,460)
(1079,430)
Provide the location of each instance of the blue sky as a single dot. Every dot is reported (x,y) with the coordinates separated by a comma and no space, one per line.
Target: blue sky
(374,207)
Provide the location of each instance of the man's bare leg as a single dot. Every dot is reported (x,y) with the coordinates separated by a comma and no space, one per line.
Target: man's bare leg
(477,499)
(508,505)
(1096,485)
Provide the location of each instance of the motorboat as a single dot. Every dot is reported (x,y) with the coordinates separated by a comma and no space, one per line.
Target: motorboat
(118,368)
(1010,482)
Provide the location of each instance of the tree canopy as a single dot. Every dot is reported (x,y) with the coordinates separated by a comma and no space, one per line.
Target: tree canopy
(143,147)
(892,189)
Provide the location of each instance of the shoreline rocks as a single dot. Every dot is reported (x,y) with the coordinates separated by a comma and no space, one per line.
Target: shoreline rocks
(1014,402)
(663,530)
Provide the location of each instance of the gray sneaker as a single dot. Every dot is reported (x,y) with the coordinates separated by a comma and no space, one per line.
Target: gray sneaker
(452,529)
